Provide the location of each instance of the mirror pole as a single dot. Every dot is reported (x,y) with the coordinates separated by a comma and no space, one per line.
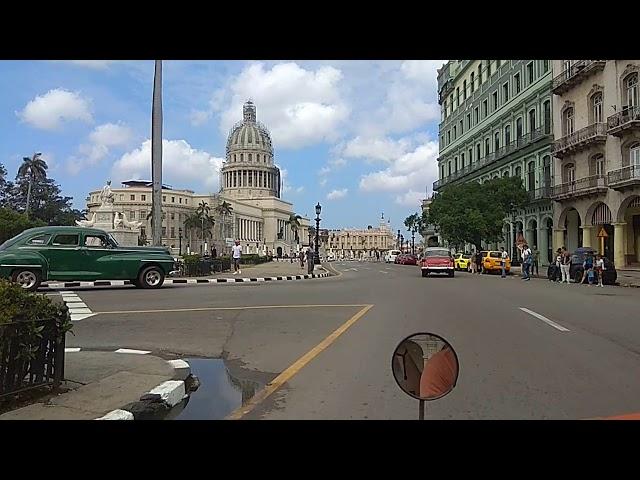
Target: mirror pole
(421,410)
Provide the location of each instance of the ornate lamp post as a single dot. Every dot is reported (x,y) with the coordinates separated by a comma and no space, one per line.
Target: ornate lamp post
(316,258)
(180,240)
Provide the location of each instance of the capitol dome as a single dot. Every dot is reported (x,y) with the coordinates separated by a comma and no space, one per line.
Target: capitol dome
(249,171)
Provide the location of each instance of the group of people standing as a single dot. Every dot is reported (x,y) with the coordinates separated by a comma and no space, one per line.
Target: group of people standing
(592,268)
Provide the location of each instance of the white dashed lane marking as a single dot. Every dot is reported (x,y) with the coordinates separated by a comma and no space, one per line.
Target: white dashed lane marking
(545,319)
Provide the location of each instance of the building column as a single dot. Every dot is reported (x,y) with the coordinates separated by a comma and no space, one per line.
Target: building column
(558,238)
(586,235)
(543,245)
(619,234)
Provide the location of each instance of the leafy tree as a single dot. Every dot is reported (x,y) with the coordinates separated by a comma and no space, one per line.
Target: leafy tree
(205,220)
(471,213)
(12,223)
(224,209)
(35,170)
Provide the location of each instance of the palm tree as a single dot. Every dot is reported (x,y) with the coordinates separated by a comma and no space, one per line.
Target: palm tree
(205,219)
(294,224)
(36,169)
(223,210)
(191,223)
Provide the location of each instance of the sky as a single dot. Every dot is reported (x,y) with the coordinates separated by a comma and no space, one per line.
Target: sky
(360,137)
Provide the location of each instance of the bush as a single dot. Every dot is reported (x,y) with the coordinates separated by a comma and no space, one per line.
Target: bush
(254,259)
(16,304)
(13,223)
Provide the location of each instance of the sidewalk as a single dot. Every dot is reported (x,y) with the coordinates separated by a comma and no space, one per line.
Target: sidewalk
(99,383)
(626,278)
(282,268)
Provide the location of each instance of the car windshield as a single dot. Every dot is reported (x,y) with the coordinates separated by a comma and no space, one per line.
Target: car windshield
(113,240)
(466,256)
(436,253)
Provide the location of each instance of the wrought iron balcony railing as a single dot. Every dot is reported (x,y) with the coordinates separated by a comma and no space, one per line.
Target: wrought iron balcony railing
(594,133)
(575,73)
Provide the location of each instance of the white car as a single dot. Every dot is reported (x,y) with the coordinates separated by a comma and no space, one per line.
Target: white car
(391,255)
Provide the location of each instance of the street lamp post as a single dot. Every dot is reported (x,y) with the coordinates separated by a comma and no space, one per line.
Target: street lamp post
(413,238)
(316,259)
(180,240)
(402,243)
(398,241)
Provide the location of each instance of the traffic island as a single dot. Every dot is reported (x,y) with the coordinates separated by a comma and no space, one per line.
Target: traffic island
(113,386)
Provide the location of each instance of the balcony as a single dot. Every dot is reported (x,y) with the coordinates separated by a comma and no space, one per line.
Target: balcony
(593,185)
(524,141)
(576,73)
(626,120)
(625,177)
(542,193)
(585,137)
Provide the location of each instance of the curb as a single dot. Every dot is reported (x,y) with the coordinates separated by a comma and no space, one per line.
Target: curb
(182,281)
(160,399)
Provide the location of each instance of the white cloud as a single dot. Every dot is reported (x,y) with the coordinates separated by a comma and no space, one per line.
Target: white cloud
(384,149)
(322,182)
(336,194)
(182,166)
(301,107)
(93,64)
(324,171)
(413,171)
(411,198)
(338,162)
(199,117)
(111,135)
(299,189)
(51,110)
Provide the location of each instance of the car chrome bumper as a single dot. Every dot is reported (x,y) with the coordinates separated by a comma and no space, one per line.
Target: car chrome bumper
(436,268)
(174,273)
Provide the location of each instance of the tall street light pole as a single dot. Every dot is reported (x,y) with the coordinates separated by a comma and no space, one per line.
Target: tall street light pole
(316,259)
(413,243)
(398,242)
(156,155)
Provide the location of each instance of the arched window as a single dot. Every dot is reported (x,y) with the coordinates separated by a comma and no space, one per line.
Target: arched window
(477,152)
(567,122)
(462,160)
(470,155)
(631,89)
(487,142)
(518,171)
(596,108)
(518,128)
(531,175)
(505,173)
(569,173)
(449,167)
(242,157)
(473,77)
(496,142)
(234,157)
(546,164)
(249,157)
(257,157)
(455,164)
(547,117)
(532,120)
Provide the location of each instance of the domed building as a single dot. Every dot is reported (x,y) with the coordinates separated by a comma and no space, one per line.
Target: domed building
(250,184)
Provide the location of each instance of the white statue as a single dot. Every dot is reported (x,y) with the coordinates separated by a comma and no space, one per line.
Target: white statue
(106,195)
(117,221)
(130,223)
(87,223)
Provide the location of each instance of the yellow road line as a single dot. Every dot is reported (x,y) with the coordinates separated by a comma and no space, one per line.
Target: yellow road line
(207,309)
(295,367)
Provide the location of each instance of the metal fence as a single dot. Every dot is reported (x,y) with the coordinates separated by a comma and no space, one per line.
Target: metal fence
(31,355)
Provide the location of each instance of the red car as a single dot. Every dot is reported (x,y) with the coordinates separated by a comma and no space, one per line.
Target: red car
(437,260)
(407,259)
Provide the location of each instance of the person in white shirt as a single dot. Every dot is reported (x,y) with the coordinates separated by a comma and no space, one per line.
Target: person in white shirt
(526,262)
(237,253)
(599,269)
(503,262)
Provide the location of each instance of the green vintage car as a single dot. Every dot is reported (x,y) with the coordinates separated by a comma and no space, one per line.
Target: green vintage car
(80,253)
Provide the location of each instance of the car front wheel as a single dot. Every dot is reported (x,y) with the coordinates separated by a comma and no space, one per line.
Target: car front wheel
(425,273)
(29,280)
(452,273)
(151,277)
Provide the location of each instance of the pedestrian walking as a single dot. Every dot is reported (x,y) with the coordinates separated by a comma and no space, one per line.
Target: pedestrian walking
(526,262)
(536,260)
(479,263)
(472,263)
(301,258)
(310,262)
(503,263)
(237,253)
(565,265)
(587,270)
(214,252)
(600,269)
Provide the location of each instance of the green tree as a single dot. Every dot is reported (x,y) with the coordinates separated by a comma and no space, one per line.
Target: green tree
(205,220)
(224,209)
(412,223)
(471,213)
(12,223)
(35,170)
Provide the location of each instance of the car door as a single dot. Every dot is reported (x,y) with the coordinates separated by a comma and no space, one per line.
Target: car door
(64,257)
(97,252)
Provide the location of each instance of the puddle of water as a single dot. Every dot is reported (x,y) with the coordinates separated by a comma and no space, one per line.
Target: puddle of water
(219,393)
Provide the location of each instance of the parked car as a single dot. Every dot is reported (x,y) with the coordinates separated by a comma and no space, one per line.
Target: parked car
(576,270)
(391,255)
(80,253)
(461,261)
(437,260)
(491,262)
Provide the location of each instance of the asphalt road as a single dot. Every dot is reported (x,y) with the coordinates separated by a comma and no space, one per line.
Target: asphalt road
(512,364)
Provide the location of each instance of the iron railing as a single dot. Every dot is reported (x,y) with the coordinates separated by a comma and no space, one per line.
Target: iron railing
(493,157)
(564,79)
(580,187)
(595,131)
(631,172)
(621,119)
(31,355)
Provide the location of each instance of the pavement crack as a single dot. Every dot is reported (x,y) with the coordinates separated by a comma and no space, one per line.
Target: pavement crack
(232,324)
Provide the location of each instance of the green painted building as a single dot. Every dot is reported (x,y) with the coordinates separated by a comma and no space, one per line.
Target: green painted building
(496,121)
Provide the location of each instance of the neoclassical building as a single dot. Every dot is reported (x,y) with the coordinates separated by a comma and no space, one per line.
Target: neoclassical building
(354,242)
(249,181)
(597,157)
(496,121)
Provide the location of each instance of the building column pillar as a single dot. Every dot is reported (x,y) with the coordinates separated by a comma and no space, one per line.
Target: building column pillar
(543,245)
(510,241)
(586,235)
(558,238)
(619,235)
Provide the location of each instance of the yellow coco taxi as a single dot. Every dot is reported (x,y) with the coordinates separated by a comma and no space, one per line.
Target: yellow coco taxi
(461,261)
(491,261)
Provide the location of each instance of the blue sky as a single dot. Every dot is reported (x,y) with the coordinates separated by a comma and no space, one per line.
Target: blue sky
(358,136)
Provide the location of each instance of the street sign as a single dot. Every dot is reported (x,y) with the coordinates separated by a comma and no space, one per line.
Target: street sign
(603,233)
